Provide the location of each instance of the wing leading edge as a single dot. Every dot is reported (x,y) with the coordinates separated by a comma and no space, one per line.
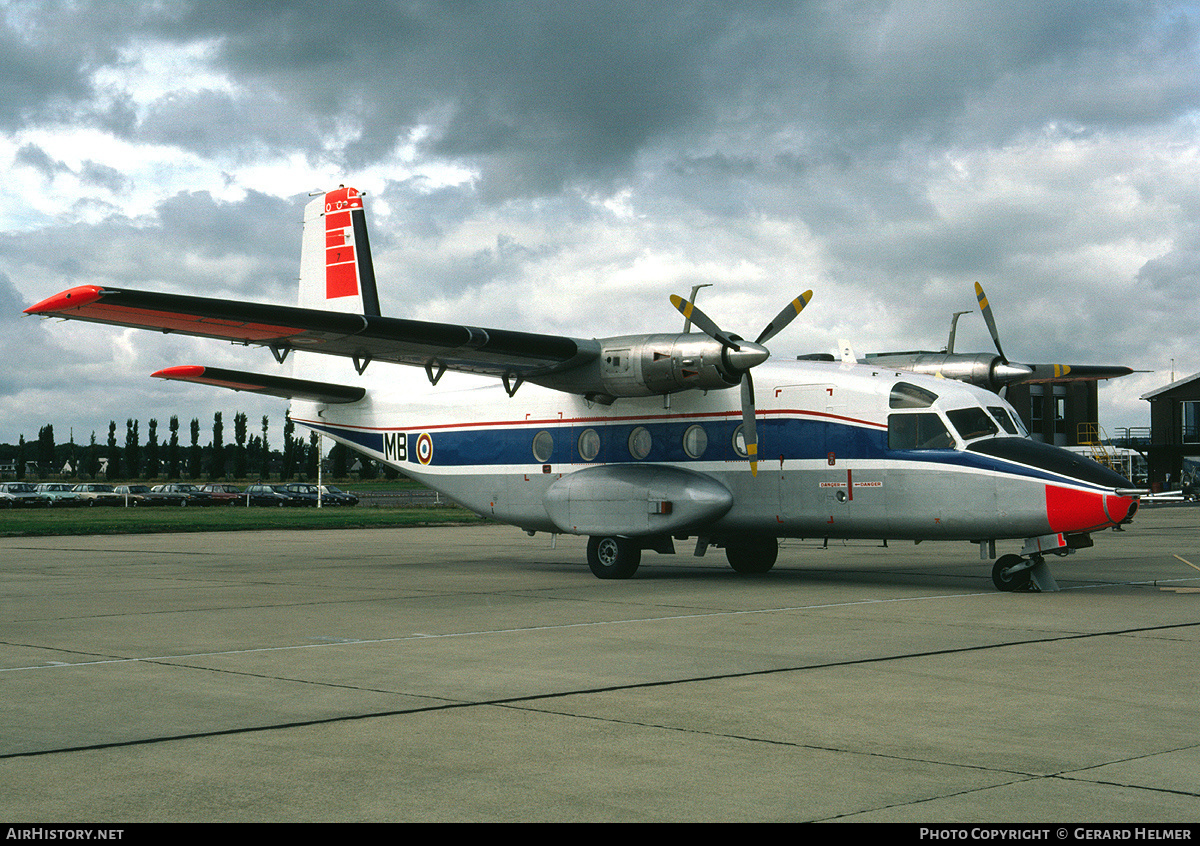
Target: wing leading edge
(364,338)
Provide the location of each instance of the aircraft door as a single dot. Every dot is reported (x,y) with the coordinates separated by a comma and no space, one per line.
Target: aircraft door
(837,476)
(802,453)
(828,487)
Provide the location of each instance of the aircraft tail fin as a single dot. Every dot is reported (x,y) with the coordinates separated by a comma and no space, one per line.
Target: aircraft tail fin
(336,272)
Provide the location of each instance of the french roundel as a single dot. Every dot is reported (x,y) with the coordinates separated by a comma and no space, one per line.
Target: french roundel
(424,448)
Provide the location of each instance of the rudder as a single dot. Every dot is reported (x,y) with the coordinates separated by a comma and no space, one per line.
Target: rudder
(336,272)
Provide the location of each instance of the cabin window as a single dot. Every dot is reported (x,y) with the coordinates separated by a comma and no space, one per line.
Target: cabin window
(543,446)
(640,442)
(589,445)
(918,431)
(972,423)
(1004,419)
(739,441)
(905,395)
(695,441)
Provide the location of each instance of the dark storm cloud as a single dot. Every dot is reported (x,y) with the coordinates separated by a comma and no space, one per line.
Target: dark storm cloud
(103,176)
(37,71)
(194,243)
(540,94)
(90,172)
(31,155)
(20,333)
(211,122)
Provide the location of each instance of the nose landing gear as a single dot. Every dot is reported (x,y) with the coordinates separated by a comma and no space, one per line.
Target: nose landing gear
(1015,572)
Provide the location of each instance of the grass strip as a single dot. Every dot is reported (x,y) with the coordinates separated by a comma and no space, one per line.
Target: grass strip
(32,522)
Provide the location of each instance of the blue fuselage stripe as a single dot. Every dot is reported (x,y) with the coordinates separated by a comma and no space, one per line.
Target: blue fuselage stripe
(779,438)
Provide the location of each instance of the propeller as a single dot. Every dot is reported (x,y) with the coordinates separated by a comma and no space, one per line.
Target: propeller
(741,355)
(989,320)
(1007,372)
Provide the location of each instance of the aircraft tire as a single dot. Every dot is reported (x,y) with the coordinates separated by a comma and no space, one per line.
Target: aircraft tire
(753,557)
(1009,581)
(613,557)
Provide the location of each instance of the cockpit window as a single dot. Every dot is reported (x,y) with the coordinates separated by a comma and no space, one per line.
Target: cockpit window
(1004,419)
(905,395)
(972,423)
(918,431)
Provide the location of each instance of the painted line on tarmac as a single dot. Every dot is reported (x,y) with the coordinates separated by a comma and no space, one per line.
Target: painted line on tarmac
(419,636)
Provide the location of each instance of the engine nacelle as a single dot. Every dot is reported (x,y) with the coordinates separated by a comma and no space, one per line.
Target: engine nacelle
(644,365)
(982,369)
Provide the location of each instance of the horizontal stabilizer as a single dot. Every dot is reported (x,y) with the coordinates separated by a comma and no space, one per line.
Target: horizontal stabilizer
(258,383)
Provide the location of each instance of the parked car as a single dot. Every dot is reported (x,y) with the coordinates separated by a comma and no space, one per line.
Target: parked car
(132,494)
(144,495)
(189,494)
(337,496)
(59,493)
(223,494)
(21,495)
(264,494)
(98,493)
(303,493)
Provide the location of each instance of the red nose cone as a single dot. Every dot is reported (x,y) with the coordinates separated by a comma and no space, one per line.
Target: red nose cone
(1072,511)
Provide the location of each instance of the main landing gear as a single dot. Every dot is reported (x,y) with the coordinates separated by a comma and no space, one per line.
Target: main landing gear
(615,557)
(752,557)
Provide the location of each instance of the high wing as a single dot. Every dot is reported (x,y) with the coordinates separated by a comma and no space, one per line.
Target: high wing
(364,338)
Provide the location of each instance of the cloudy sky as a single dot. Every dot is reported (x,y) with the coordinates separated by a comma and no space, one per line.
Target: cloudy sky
(564,167)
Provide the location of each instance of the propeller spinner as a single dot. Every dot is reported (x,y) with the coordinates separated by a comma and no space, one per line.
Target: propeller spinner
(741,355)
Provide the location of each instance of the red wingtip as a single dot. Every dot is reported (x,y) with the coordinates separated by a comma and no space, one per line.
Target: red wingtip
(74,298)
(181,371)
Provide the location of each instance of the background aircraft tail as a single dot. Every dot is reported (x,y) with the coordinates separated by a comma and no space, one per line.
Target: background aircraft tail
(336,273)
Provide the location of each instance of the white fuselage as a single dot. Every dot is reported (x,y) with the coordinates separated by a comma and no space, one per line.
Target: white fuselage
(827,467)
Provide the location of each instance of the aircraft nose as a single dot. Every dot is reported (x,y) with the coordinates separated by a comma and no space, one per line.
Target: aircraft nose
(1082,495)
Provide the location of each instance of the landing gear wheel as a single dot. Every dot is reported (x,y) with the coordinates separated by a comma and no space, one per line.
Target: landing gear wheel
(613,557)
(752,557)
(1005,580)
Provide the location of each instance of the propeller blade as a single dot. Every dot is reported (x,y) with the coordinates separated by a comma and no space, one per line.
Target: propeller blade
(784,318)
(1075,372)
(991,321)
(702,321)
(749,433)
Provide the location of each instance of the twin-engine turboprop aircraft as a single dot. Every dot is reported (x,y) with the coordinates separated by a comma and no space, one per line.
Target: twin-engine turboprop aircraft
(639,441)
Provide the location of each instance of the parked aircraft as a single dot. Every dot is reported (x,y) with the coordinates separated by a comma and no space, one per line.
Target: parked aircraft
(641,441)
